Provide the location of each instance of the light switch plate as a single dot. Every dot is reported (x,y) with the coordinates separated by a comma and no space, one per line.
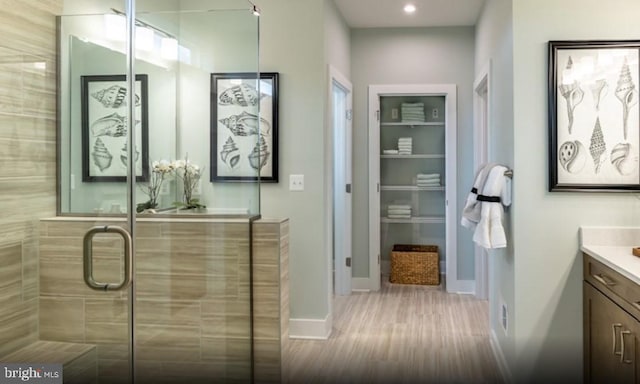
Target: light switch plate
(296,182)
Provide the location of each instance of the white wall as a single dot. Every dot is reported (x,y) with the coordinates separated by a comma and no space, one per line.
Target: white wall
(548,271)
(337,40)
(292,41)
(405,56)
(494,44)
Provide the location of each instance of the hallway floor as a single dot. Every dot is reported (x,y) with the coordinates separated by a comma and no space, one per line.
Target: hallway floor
(402,334)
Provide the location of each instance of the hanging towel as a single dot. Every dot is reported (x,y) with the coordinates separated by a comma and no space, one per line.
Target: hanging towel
(472,208)
(489,232)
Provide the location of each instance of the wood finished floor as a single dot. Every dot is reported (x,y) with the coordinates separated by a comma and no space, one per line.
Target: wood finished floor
(402,334)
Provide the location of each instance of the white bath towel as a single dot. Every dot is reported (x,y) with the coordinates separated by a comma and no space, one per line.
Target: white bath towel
(399,212)
(399,206)
(427,175)
(489,232)
(399,216)
(472,208)
(389,151)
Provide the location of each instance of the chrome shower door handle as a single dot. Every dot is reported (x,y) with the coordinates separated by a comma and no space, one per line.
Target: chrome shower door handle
(88,259)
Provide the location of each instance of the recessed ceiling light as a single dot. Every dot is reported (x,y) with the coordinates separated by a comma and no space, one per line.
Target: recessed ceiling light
(409,8)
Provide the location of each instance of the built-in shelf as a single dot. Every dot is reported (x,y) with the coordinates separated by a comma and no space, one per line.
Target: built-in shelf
(414,220)
(409,188)
(414,124)
(417,156)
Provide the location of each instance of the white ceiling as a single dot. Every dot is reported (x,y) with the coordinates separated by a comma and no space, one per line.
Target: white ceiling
(429,13)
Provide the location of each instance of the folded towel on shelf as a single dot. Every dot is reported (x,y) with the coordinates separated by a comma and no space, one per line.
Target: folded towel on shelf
(399,212)
(399,206)
(429,184)
(412,112)
(405,140)
(389,151)
(428,175)
(399,216)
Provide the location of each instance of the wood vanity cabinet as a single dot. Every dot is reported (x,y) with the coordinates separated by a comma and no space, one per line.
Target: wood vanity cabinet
(611,325)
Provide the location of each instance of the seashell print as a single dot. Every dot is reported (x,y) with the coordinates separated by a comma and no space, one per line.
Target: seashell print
(113,125)
(230,153)
(242,94)
(246,124)
(113,97)
(598,91)
(101,156)
(124,154)
(259,155)
(623,160)
(572,92)
(598,146)
(572,156)
(627,94)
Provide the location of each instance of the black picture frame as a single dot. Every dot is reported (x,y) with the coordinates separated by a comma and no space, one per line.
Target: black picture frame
(104,132)
(239,137)
(594,116)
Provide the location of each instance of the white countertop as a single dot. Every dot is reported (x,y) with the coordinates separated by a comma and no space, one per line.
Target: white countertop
(612,246)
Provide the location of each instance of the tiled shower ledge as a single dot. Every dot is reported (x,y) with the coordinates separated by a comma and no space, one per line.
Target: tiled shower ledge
(163,218)
(612,247)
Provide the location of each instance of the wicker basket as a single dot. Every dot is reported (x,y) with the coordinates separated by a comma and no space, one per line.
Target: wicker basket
(415,264)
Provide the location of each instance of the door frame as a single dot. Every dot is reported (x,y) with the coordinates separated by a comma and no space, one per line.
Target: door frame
(481,151)
(453,284)
(342,284)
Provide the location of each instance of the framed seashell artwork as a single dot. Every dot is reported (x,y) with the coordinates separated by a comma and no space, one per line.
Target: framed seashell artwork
(105,128)
(594,116)
(244,127)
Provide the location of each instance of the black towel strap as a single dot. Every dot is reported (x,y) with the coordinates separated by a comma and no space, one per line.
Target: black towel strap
(489,199)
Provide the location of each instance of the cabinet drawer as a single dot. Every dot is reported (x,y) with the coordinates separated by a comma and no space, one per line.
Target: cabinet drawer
(609,281)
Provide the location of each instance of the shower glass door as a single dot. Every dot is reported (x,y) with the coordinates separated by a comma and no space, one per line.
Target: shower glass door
(185,316)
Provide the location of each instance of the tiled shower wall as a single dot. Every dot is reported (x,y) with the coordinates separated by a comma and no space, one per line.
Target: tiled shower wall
(192,306)
(27,158)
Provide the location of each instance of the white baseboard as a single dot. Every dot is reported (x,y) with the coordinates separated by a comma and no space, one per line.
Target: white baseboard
(466,287)
(502,361)
(314,329)
(360,284)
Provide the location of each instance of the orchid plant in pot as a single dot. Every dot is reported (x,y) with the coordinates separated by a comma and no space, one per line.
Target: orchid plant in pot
(190,174)
(159,171)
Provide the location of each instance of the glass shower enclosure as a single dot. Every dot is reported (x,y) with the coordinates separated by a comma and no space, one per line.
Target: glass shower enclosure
(146,270)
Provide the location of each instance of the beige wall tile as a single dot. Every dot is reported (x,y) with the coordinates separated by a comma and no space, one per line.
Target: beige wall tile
(226,350)
(10,276)
(164,335)
(18,327)
(106,310)
(165,312)
(106,333)
(62,319)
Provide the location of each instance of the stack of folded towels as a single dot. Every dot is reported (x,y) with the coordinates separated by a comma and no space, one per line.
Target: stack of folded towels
(412,112)
(399,211)
(428,180)
(405,146)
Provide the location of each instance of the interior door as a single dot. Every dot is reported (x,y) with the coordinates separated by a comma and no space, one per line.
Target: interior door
(342,211)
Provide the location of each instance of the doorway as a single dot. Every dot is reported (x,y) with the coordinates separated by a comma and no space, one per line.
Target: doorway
(341,128)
